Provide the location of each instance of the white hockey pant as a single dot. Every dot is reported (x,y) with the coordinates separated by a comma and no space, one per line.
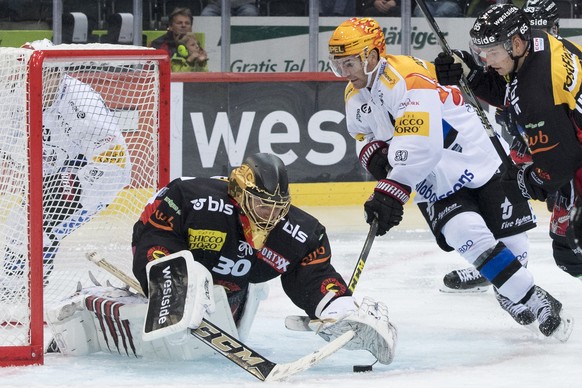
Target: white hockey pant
(468,234)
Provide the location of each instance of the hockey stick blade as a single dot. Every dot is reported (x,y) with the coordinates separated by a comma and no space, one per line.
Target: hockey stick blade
(113,270)
(253,362)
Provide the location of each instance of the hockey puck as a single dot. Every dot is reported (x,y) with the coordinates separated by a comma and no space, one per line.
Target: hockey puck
(362,368)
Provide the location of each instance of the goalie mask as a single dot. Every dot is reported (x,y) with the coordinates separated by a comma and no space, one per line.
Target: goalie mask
(261,188)
(352,42)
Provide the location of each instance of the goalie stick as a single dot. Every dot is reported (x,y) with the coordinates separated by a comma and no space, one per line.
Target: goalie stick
(301,322)
(231,348)
(507,163)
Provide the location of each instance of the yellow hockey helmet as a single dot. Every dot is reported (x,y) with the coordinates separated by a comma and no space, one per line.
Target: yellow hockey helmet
(357,36)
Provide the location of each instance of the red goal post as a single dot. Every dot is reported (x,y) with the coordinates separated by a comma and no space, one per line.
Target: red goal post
(84,143)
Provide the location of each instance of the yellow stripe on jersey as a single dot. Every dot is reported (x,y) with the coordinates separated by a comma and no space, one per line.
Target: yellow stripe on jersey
(350,92)
(566,74)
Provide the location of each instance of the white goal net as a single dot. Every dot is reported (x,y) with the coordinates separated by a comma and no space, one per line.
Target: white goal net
(83,146)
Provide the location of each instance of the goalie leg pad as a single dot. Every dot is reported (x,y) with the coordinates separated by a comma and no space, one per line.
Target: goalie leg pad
(104,319)
(98,319)
(373,330)
(255,294)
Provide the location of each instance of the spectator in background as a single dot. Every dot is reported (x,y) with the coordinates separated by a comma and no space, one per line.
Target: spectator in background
(380,8)
(237,8)
(337,7)
(189,56)
(441,8)
(476,7)
(180,24)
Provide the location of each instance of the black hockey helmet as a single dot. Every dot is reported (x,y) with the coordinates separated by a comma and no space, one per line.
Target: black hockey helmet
(543,14)
(261,188)
(498,24)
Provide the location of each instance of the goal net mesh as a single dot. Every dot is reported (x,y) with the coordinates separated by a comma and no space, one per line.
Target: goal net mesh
(100,126)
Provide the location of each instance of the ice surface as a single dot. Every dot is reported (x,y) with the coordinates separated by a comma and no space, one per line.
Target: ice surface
(445,340)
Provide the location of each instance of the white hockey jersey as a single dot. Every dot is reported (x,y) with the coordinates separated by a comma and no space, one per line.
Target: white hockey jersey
(437,144)
(79,128)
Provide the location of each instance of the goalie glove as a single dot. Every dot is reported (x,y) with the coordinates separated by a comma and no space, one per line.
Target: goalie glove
(373,330)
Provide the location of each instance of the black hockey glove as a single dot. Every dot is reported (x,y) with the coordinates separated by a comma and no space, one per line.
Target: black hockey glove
(506,120)
(449,68)
(386,205)
(374,158)
(517,187)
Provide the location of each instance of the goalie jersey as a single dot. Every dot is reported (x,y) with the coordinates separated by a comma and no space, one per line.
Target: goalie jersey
(198,215)
(437,143)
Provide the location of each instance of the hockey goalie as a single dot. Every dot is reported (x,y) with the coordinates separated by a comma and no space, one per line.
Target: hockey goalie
(204,249)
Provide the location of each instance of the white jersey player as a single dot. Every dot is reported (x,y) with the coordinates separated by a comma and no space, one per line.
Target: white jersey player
(421,135)
(85,164)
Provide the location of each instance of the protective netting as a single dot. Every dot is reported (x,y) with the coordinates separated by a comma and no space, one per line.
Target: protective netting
(100,165)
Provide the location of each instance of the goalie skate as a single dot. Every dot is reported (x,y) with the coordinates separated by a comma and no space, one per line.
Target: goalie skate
(466,280)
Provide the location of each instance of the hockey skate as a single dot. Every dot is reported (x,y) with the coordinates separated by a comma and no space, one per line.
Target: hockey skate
(518,311)
(553,322)
(464,280)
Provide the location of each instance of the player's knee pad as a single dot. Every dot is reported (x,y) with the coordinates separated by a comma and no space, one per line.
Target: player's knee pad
(500,266)
(468,234)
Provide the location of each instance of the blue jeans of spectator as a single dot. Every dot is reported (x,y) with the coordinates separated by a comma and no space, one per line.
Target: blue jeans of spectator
(337,7)
(243,10)
(440,8)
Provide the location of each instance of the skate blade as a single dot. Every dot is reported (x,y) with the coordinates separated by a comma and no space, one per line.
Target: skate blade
(474,290)
(562,333)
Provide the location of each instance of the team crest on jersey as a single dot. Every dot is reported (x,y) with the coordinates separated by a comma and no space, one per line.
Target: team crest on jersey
(538,44)
(157,252)
(332,285)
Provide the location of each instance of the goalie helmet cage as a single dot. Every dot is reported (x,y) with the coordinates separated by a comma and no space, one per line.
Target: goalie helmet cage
(47,101)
